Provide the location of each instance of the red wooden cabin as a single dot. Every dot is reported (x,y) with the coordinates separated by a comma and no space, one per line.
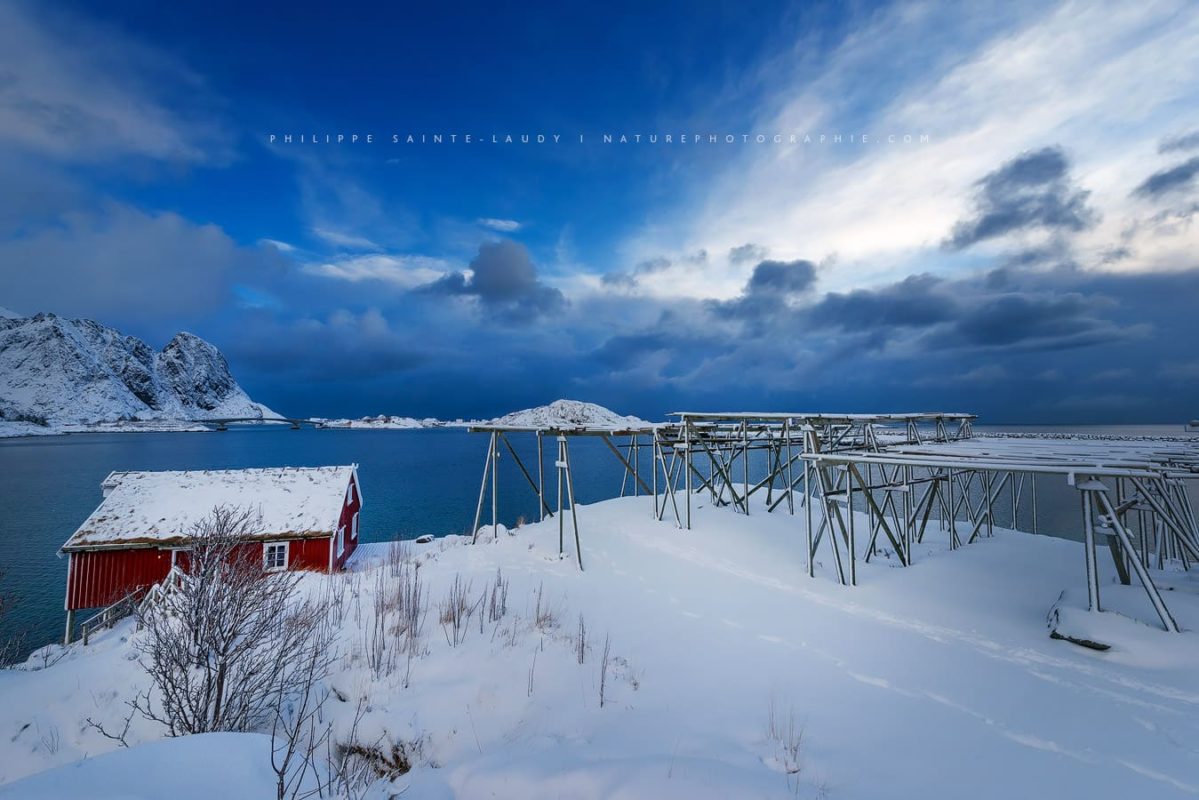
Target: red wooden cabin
(309,521)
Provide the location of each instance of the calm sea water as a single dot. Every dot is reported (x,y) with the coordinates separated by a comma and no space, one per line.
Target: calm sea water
(413,482)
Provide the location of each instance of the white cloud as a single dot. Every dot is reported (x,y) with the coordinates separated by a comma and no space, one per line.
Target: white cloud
(282,247)
(347,240)
(1105,81)
(501,225)
(406,272)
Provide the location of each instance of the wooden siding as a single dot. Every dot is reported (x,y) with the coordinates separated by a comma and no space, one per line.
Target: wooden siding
(100,577)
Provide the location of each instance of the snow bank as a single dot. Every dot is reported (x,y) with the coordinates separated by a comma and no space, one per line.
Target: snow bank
(731,673)
(569,414)
(188,768)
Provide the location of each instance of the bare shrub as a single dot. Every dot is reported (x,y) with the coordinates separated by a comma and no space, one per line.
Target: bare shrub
(532,674)
(338,596)
(497,605)
(400,607)
(51,739)
(581,641)
(43,657)
(297,732)
(455,612)
(399,554)
(605,666)
(352,766)
(785,733)
(11,648)
(544,617)
(381,648)
(225,640)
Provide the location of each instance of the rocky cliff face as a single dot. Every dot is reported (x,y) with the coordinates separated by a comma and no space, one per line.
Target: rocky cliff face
(78,371)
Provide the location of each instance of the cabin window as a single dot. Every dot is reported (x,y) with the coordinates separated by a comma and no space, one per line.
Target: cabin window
(354,527)
(274,556)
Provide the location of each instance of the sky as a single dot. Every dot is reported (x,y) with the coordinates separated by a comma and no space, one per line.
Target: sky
(982,207)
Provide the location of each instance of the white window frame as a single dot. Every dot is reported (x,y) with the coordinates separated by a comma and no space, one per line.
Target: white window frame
(354,527)
(266,549)
(339,543)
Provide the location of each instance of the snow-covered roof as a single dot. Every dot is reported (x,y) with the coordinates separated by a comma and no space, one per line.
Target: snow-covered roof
(161,507)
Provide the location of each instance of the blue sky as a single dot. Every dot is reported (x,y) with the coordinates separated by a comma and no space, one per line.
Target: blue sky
(1015,236)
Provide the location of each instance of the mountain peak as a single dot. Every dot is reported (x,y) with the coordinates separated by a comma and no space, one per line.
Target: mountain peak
(71,371)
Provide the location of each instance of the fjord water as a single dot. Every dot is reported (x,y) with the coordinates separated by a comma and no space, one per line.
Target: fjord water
(413,482)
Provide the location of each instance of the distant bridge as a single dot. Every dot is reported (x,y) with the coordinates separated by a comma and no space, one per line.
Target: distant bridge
(223,423)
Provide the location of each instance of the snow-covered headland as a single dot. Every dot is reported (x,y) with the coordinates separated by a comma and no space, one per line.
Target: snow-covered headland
(65,376)
(729,673)
(568,414)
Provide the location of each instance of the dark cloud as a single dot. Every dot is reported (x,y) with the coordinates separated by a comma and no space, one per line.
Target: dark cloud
(1007,308)
(122,264)
(1045,321)
(917,301)
(628,349)
(356,346)
(781,278)
(769,291)
(505,281)
(1182,142)
(745,253)
(1032,191)
(1173,179)
(628,279)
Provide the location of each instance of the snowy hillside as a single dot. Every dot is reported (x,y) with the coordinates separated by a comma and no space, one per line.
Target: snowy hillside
(566,414)
(62,371)
(729,673)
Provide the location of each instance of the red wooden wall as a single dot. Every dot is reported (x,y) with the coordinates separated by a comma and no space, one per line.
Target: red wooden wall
(100,577)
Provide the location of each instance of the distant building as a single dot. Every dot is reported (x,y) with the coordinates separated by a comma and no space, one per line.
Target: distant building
(309,521)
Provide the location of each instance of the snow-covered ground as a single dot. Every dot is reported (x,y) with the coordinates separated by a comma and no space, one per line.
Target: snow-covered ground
(935,681)
(568,413)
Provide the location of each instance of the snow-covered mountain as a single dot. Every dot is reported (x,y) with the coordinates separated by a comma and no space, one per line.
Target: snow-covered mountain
(63,371)
(567,414)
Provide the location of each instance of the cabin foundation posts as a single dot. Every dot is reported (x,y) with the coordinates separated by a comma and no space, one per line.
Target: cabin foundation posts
(66,639)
